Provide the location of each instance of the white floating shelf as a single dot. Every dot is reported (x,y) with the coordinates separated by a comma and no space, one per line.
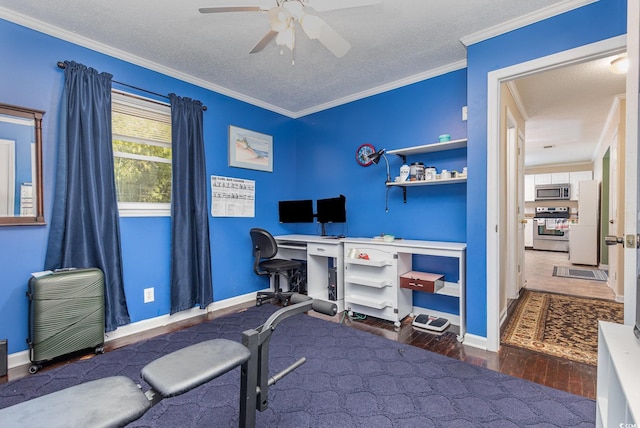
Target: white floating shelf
(428,148)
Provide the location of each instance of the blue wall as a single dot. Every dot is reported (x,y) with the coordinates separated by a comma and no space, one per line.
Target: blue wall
(598,21)
(31,78)
(314,158)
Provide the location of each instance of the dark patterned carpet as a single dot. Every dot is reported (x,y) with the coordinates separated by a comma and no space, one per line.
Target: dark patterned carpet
(351,379)
(560,325)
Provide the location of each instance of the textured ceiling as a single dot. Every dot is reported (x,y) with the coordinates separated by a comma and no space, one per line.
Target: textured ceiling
(393,43)
(567,109)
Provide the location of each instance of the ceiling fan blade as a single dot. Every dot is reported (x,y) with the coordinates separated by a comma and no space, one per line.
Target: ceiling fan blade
(230,9)
(325,5)
(333,41)
(264,42)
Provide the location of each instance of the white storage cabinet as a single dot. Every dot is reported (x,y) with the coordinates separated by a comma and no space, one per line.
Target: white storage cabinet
(371,286)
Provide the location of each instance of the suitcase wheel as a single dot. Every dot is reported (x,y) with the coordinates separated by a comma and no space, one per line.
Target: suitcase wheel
(99,349)
(33,368)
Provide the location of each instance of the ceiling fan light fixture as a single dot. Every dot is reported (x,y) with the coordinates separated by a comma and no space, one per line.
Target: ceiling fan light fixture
(312,26)
(620,65)
(279,18)
(294,7)
(286,37)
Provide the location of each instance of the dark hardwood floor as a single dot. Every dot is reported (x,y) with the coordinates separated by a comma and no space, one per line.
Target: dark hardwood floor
(579,379)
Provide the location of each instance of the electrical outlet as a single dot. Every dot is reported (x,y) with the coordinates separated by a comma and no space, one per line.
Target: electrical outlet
(464,113)
(148,295)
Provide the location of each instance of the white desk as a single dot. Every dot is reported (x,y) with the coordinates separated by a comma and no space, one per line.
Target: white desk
(319,253)
(372,286)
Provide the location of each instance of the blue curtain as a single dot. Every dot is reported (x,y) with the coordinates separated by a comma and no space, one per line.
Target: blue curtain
(190,253)
(85,229)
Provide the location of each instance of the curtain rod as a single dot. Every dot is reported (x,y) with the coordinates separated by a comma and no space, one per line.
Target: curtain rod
(62,65)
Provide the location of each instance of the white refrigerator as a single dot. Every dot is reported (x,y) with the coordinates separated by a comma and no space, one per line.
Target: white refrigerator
(583,237)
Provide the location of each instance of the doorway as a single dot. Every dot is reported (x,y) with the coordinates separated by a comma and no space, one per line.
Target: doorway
(495,242)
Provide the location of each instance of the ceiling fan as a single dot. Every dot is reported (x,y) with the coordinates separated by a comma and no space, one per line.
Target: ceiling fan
(284,16)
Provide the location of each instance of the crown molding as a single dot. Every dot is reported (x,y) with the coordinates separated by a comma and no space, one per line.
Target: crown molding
(523,21)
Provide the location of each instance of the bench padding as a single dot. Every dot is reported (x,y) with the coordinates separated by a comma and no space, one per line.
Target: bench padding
(186,368)
(109,402)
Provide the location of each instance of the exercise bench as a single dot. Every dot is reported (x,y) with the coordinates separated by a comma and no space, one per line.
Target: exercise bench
(116,401)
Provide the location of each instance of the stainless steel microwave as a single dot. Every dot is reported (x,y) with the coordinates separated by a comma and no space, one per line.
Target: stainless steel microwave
(553,192)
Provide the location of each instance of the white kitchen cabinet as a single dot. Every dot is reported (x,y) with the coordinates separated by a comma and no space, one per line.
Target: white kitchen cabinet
(528,233)
(529,188)
(618,384)
(552,178)
(576,178)
(560,178)
(541,179)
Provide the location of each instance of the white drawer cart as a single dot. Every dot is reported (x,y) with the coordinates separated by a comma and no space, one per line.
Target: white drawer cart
(372,287)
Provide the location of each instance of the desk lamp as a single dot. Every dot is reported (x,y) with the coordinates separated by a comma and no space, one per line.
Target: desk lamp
(375,158)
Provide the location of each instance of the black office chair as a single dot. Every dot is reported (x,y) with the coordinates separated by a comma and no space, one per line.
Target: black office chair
(264,250)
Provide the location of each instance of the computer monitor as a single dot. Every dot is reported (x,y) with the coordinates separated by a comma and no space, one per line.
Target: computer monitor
(332,210)
(299,211)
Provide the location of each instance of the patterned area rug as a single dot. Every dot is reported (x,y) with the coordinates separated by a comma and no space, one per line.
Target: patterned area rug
(560,325)
(593,274)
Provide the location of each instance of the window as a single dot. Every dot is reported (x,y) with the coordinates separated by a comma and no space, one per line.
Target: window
(142,155)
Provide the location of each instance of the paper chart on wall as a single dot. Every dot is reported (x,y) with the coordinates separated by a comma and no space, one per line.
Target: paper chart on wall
(232,197)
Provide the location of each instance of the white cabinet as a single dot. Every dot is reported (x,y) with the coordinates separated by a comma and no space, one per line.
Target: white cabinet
(529,188)
(542,179)
(371,283)
(552,178)
(528,233)
(560,177)
(618,384)
(576,178)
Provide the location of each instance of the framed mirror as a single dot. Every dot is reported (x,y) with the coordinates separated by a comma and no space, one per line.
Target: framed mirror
(21,193)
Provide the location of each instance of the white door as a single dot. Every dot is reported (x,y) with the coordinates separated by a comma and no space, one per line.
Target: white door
(7,178)
(615,253)
(522,224)
(631,226)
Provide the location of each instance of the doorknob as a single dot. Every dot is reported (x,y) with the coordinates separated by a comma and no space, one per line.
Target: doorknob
(523,221)
(631,241)
(613,240)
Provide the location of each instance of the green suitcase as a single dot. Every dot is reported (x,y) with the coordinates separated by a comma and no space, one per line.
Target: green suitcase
(66,314)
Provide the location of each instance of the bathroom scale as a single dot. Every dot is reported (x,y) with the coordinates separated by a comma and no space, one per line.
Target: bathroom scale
(430,322)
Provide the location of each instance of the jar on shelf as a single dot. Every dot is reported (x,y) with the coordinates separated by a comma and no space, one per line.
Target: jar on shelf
(416,171)
(430,173)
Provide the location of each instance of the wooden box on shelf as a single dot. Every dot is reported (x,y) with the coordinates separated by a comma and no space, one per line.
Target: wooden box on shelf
(422,281)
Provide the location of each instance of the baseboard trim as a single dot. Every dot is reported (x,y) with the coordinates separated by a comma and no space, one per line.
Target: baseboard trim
(475,341)
(22,357)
